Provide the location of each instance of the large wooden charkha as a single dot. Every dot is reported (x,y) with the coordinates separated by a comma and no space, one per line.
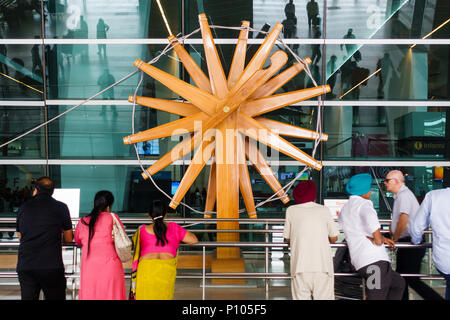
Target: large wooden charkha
(229,110)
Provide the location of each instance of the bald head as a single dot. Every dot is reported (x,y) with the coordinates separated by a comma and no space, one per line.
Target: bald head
(394,181)
(396,174)
(44,185)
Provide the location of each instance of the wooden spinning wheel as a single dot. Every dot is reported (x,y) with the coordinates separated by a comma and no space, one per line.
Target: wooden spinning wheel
(221,105)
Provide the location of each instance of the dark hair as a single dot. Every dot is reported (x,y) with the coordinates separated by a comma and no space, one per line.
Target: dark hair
(102,200)
(44,185)
(158,211)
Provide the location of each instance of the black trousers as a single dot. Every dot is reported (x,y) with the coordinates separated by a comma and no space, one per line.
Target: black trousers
(391,284)
(409,260)
(51,281)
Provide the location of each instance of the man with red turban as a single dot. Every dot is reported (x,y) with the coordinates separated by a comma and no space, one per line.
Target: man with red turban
(309,229)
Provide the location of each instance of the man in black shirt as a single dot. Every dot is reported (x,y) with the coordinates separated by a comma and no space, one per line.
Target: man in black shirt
(40,223)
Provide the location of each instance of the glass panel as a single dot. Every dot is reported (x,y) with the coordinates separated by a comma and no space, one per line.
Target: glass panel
(263,15)
(78,71)
(113,19)
(20,19)
(387,19)
(369,132)
(21,72)
(97,131)
(418,73)
(419,180)
(17,120)
(15,186)
(132,193)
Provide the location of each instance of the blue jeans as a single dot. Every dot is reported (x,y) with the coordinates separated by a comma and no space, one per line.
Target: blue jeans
(447,285)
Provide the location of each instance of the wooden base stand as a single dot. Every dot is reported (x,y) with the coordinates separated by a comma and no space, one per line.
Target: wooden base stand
(227,266)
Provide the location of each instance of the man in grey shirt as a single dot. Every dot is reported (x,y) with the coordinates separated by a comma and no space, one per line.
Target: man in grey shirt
(408,260)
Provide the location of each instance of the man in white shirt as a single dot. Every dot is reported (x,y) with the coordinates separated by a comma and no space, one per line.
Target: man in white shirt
(361,227)
(435,212)
(309,228)
(409,260)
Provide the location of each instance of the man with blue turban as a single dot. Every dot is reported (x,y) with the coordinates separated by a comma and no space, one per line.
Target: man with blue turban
(361,227)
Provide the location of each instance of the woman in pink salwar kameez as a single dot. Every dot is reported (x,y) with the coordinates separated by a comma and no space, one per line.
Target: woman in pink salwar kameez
(102,276)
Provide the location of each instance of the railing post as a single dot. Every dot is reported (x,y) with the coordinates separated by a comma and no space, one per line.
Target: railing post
(204,273)
(430,257)
(74,270)
(266,267)
(363,289)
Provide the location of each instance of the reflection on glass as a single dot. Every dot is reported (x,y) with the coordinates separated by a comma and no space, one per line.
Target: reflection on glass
(21,72)
(15,187)
(15,121)
(389,72)
(299,17)
(97,132)
(386,19)
(85,19)
(79,71)
(371,132)
(20,19)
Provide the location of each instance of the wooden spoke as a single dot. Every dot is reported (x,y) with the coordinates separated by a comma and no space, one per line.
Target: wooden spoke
(203,100)
(180,150)
(216,75)
(235,98)
(211,193)
(259,106)
(277,82)
(261,165)
(183,109)
(196,73)
(264,135)
(260,56)
(201,156)
(291,131)
(177,127)
(238,63)
(244,179)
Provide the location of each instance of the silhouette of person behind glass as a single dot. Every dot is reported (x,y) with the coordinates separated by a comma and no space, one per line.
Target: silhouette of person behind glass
(83,33)
(312,9)
(349,47)
(35,57)
(102,28)
(3,56)
(386,66)
(290,23)
(104,81)
(316,53)
(289,9)
(332,72)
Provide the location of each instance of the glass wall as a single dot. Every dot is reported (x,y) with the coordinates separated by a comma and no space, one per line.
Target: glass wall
(389,100)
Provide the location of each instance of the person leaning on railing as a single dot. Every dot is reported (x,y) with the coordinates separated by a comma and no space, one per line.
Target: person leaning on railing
(361,227)
(40,222)
(435,212)
(154,267)
(409,260)
(309,228)
(102,276)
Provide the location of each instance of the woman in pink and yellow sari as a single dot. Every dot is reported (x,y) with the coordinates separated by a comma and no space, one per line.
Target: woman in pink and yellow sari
(155,246)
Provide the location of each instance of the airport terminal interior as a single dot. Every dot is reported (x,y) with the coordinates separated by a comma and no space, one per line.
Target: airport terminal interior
(387,65)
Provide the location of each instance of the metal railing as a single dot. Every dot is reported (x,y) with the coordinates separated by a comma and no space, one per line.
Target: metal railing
(266,245)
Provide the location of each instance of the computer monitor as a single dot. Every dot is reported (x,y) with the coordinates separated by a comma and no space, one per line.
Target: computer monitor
(174,186)
(148,148)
